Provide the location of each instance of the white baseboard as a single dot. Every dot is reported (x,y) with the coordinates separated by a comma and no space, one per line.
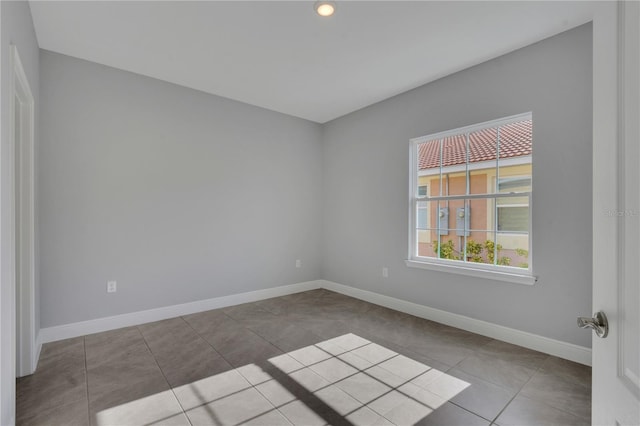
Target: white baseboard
(549,346)
(557,348)
(66,331)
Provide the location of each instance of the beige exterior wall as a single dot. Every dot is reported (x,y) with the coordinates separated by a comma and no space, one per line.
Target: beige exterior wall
(482,211)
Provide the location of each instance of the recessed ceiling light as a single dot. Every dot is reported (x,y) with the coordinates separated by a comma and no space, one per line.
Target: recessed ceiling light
(325,8)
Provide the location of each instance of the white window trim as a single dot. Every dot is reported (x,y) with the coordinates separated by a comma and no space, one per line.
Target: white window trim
(464,269)
(480,270)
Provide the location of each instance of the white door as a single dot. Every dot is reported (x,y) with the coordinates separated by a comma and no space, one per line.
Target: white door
(616,231)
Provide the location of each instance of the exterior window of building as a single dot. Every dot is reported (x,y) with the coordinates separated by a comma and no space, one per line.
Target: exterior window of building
(423,218)
(471,198)
(513,214)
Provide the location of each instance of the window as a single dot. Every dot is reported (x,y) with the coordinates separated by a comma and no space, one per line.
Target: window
(471,200)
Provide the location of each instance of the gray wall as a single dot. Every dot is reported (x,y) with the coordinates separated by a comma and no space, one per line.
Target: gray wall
(182,196)
(176,194)
(16,28)
(366,172)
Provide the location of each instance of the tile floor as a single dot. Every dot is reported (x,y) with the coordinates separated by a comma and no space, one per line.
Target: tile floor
(311,358)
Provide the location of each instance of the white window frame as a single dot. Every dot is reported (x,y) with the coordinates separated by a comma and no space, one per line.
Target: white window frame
(483,270)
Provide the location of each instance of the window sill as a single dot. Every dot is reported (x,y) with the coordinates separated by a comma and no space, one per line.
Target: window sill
(511,277)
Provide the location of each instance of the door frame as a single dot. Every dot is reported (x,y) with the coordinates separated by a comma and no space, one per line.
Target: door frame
(23,195)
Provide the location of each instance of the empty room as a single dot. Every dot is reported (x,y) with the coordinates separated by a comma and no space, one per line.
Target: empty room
(319,213)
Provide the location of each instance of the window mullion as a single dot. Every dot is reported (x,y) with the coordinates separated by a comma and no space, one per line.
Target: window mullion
(476,196)
(495,200)
(465,208)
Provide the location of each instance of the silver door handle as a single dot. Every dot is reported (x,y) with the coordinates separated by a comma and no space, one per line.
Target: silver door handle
(598,323)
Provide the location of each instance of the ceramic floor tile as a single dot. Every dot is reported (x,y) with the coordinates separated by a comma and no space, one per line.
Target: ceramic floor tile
(109,394)
(250,314)
(423,396)
(385,376)
(363,387)
(183,356)
(159,408)
(285,363)
(162,335)
(240,407)
(225,340)
(331,348)
(277,328)
(275,393)
(193,365)
(64,354)
(300,414)
(253,350)
(309,355)
(271,418)
(498,371)
(325,327)
(374,353)
(213,325)
(425,380)
(481,397)
(276,305)
(513,353)
(443,351)
(333,369)
(73,413)
(298,338)
(444,385)
(255,374)
(359,354)
(308,379)
(124,372)
(354,360)
(573,371)
(211,389)
(311,296)
(452,415)
(338,400)
(45,390)
(464,338)
(115,345)
(348,341)
(523,411)
(366,417)
(559,392)
(387,402)
(413,355)
(404,367)
(408,412)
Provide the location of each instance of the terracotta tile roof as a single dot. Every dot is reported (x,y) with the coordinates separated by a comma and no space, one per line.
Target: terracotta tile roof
(515,141)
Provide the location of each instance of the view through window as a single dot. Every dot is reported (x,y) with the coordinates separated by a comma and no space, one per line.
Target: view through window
(471,195)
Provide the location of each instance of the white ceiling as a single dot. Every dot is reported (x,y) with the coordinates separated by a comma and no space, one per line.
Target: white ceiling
(282,56)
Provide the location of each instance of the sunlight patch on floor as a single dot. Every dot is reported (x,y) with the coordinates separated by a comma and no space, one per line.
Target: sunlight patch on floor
(347,376)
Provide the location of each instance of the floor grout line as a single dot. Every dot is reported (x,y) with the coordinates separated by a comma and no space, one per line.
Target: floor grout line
(163,375)
(518,392)
(86,379)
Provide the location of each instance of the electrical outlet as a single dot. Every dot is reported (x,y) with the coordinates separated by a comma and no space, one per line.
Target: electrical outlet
(298,263)
(385,272)
(112,286)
